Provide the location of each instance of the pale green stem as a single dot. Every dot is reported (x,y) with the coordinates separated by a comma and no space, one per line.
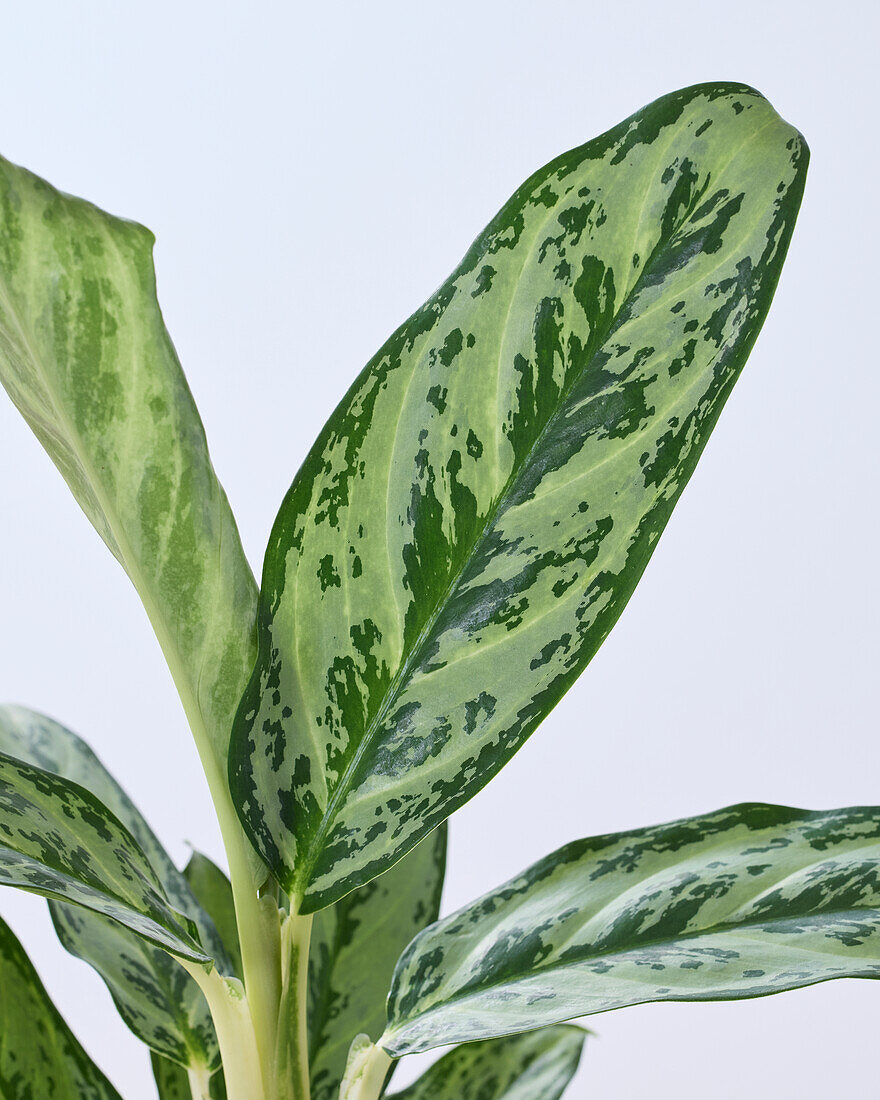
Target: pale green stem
(365,1071)
(257,918)
(199,1083)
(292,1057)
(235,1031)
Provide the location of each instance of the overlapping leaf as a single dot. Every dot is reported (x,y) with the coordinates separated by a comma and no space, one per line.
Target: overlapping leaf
(85,356)
(535,1066)
(744,902)
(39,1055)
(213,892)
(158,1000)
(355,946)
(476,513)
(58,840)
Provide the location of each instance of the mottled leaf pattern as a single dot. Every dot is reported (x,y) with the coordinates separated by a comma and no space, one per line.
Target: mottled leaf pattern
(535,1066)
(58,840)
(750,900)
(39,1056)
(477,511)
(85,356)
(355,946)
(158,1000)
(213,892)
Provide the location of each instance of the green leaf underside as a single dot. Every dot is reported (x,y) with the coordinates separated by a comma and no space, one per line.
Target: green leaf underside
(58,840)
(744,902)
(39,1055)
(213,892)
(172,1082)
(85,356)
(355,946)
(476,513)
(535,1066)
(155,996)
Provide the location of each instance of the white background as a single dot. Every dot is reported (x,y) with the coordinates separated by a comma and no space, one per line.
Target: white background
(312,172)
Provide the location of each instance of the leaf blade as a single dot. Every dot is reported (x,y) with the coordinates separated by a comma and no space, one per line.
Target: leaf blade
(58,840)
(213,891)
(479,508)
(538,1065)
(355,945)
(155,996)
(748,901)
(86,359)
(39,1055)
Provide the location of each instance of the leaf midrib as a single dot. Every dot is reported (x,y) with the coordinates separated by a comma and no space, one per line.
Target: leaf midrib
(747,928)
(346,784)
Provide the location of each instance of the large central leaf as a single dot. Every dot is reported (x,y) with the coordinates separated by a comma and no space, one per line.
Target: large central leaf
(476,513)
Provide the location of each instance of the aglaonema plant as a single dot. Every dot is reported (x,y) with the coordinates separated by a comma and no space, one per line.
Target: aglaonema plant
(459,541)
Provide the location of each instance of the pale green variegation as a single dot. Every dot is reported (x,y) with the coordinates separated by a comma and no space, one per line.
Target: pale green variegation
(39,1056)
(158,1000)
(85,356)
(355,946)
(58,840)
(460,540)
(213,892)
(750,900)
(477,511)
(535,1066)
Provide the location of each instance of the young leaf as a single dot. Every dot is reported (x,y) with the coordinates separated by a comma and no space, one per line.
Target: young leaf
(535,1066)
(750,900)
(355,945)
(478,510)
(58,840)
(156,998)
(39,1055)
(214,893)
(85,356)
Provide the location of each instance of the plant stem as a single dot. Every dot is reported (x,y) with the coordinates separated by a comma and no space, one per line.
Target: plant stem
(292,1056)
(235,1031)
(365,1071)
(199,1083)
(257,918)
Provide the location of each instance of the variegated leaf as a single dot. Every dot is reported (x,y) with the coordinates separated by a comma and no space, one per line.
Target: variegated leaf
(85,356)
(355,946)
(174,1083)
(477,511)
(748,901)
(535,1066)
(156,998)
(39,1055)
(58,840)
(213,892)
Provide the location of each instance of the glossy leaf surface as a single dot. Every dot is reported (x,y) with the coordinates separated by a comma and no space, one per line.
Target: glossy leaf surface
(536,1066)
(39,1055)
(158,1000)
(748,901)
(58,840)
(85,356)
(355,946)
(478,510)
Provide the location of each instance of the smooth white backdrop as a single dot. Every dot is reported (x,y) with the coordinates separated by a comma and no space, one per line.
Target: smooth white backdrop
(312,173)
